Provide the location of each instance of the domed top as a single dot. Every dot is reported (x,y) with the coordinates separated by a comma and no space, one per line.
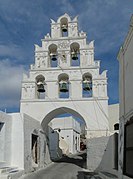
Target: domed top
(63,18)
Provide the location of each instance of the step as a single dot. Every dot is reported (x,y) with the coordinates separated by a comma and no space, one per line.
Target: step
(8,170)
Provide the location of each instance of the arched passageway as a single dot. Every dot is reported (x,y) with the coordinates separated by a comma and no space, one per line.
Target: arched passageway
(64,132)
(58,111)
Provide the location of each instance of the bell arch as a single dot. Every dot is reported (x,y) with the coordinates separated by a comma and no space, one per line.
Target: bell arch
(61,110)
(64,16)
(40,86)
(64,26)
(87,85)
(63,88)
(75,54)
(52,52)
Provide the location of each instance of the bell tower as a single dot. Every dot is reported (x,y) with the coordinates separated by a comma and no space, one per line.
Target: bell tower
(66,76)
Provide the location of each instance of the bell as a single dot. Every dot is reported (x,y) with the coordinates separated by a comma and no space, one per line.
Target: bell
(53,57)
(74,55)
(87,86)
(63,87)
(64,28)
(40,86)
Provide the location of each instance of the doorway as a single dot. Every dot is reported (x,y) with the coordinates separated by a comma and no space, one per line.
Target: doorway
(34,148)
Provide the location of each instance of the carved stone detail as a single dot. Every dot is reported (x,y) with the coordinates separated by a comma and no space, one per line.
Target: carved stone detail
(73,29)
(62,58)
(63,45)
(41,60)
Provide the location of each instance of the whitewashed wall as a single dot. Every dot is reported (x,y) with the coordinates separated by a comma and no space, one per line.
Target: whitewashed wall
(125,57)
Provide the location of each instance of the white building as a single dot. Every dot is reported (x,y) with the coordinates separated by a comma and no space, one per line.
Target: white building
(113,116)
(23,145)
(69,134)
(125,58)
(65,79)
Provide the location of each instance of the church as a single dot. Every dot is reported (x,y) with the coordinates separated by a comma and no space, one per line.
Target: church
(65,78)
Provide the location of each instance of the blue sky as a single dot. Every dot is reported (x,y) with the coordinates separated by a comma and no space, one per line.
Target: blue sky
(24,23)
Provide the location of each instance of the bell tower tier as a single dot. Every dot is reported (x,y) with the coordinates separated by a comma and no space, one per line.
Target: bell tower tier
(65,75)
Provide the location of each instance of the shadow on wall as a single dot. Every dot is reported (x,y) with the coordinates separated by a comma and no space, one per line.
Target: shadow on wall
(53,141)
(110,157)
(102,154)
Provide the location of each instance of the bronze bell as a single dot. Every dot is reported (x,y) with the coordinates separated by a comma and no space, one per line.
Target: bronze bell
(64,28)
(63,87)
(53,56)
(40,86)
(87,86)
(74,55)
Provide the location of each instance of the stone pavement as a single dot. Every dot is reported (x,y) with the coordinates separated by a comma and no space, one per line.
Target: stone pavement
(72,167)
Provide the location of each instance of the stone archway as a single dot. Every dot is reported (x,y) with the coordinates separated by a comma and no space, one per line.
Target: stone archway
(65,138)
(57,112)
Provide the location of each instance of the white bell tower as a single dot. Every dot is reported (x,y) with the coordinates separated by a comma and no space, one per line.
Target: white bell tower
(65,79)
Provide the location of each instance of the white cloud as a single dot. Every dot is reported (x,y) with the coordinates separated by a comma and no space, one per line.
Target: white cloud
(10,84)
(10,50)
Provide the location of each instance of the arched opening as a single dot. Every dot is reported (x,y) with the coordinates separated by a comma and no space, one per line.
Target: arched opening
(63,80)
(53,55)
(64,27)
(87,85)
(75,54)
(65,130)
(40,87)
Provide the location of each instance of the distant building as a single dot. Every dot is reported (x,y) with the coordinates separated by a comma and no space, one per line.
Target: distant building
(125,58)
(69,134)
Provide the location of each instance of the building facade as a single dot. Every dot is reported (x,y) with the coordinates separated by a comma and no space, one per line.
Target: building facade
(125,57)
